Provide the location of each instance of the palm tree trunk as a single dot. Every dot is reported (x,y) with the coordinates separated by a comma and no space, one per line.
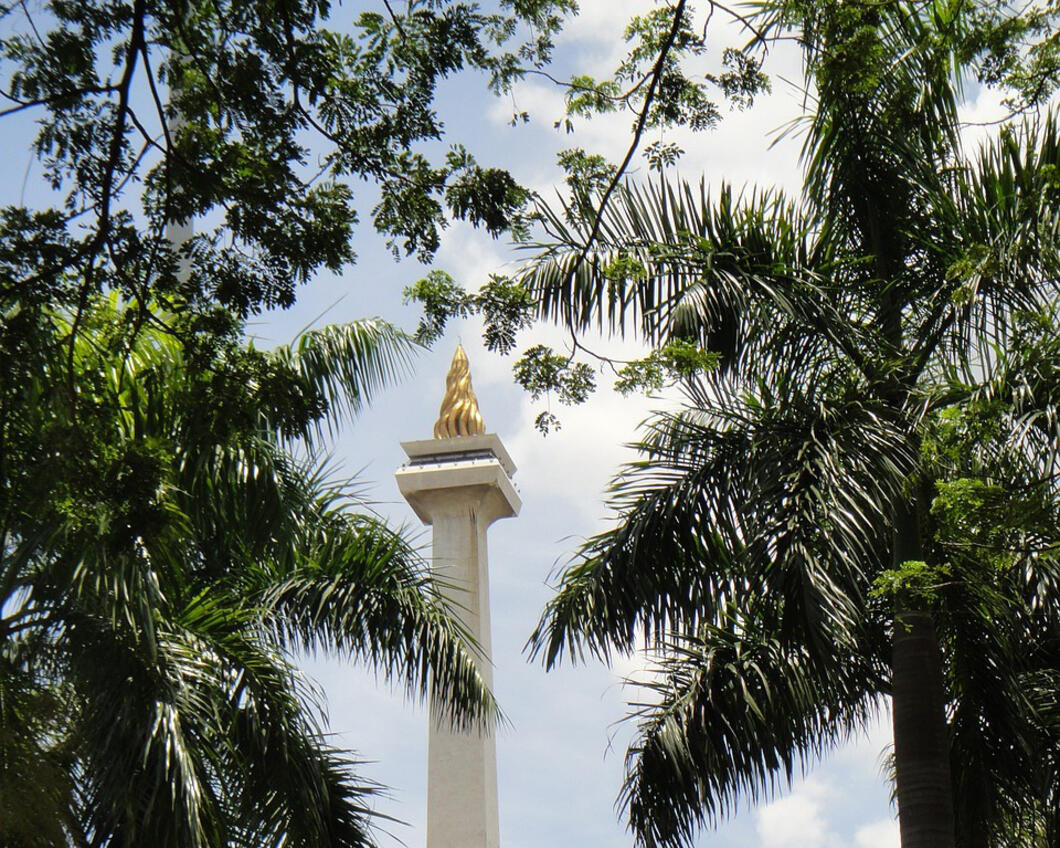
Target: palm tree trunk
(921,750)
(921,745)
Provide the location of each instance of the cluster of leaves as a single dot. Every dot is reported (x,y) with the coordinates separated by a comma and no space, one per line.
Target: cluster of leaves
(654,84)
(912,585)
(988,500)
(662,155)
(542,371)
(587,177)
(505,305)
(588,172)
(508,307)
(676,361)
(208,107)
(1015,47)
(681,100)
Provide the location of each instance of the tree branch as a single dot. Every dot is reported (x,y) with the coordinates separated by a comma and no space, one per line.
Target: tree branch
(23,105)
(136,41)
(638,131)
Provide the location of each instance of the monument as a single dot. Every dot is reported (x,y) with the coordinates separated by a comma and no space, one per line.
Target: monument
(459,482)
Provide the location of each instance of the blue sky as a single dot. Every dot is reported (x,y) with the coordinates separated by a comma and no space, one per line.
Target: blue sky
(560,761)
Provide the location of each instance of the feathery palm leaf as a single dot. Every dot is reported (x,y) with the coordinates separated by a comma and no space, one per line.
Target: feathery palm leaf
(735,712)
(168,582)
(762,525)
(348,363)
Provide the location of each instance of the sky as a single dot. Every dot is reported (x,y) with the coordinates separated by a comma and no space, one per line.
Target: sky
(560,759)
(560,763)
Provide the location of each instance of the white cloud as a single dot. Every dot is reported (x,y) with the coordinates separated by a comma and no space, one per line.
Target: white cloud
(602,22)
(575,464)
(470,255)
(827,809)
(635,670)
(979,117)
(878,834)
(744,150)
(868,750)
(798,820)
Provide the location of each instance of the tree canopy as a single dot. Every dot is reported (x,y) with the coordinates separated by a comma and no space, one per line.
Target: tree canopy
(165,554)
(165,547)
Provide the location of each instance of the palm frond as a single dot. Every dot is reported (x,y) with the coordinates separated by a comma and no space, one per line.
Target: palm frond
(347,364)
(734,715)
(1003,257)
(163,554)
(783,497)
(751,278)
(359,587)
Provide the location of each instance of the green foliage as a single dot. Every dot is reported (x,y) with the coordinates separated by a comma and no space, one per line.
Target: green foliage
(165,555)
(912,585)
(956,430)
(965,508)
(542,372)
(505,305)
(442,299)
(545,422)
(587,177)
(487,197)
(625,267)
(682,100)
(662,155)
(675,361)
(586,96)
(589,173)
(742,80)
(879,435)
(1015,49)
(153,112)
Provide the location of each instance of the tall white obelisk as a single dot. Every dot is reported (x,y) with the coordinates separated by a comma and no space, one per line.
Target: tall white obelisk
(460,482)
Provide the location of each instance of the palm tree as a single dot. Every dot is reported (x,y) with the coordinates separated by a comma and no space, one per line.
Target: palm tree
(165,553)
(778,543)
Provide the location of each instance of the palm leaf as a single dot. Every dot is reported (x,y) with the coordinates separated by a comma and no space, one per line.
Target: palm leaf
(784,497)
(348,364)
(734,713)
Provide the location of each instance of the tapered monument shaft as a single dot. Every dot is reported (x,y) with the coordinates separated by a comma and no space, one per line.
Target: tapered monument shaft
(460,483)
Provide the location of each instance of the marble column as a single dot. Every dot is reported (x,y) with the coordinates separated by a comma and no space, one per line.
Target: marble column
(460,483)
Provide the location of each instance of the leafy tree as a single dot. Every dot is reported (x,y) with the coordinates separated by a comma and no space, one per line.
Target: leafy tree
(789,543)
(163,549)
(165,553)
(1013,47)
(252,83)
(992,527)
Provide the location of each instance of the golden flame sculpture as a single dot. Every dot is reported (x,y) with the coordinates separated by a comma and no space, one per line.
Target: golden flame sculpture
(459,415)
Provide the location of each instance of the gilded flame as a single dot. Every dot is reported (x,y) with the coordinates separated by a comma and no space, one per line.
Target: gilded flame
(459,415)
